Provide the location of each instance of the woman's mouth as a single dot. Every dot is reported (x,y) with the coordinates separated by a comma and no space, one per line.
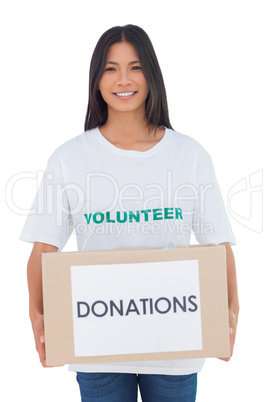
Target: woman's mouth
(124,94)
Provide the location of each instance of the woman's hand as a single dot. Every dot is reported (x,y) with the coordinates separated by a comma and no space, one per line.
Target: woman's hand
(232,332)
(232,297)
(34,274)
(39,336)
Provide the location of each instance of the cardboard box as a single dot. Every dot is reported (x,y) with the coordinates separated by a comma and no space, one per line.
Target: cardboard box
(135,304)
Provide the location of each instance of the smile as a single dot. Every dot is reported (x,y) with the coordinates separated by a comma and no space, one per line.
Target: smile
(124,93)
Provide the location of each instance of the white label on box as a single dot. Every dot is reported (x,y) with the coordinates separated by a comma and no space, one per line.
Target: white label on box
(136,308)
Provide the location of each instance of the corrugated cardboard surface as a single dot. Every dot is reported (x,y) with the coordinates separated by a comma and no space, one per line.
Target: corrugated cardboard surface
(58,301)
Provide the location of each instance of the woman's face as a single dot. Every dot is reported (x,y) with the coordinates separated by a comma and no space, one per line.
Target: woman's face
(123,85)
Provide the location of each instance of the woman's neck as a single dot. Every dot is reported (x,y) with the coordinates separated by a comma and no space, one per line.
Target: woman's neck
(127,131)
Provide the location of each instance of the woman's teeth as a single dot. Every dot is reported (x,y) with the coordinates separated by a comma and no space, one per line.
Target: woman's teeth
(124,93)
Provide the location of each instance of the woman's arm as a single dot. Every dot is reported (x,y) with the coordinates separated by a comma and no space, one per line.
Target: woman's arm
(34,275)
(233,300)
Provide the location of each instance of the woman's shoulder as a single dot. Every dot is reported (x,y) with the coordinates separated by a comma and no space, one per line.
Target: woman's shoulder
(76,142)
(73,146)
(188,143)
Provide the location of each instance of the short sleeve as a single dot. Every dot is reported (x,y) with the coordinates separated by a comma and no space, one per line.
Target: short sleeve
(48,218)
(210,221)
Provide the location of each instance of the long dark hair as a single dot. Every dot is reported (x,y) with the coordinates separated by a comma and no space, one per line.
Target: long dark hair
(156,108)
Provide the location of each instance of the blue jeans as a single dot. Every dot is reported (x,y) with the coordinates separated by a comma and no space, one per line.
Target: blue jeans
(113,387)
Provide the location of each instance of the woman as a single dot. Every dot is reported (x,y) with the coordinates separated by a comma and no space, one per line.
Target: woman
(126,163)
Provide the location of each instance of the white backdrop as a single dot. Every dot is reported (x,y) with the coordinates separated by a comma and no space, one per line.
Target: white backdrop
(213,56)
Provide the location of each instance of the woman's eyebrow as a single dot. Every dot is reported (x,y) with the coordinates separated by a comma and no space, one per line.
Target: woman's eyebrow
(115,63)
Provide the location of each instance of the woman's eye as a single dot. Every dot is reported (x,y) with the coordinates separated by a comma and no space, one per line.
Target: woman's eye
(136,68)
(110,69)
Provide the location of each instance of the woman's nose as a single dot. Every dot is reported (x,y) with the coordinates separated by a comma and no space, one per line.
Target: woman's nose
(124,78)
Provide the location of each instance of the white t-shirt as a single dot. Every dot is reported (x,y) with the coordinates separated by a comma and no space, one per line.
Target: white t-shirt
(115,198)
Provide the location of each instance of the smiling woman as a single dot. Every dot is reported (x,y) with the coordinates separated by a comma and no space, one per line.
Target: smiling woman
(143,61)
(123,80)
(128,140)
